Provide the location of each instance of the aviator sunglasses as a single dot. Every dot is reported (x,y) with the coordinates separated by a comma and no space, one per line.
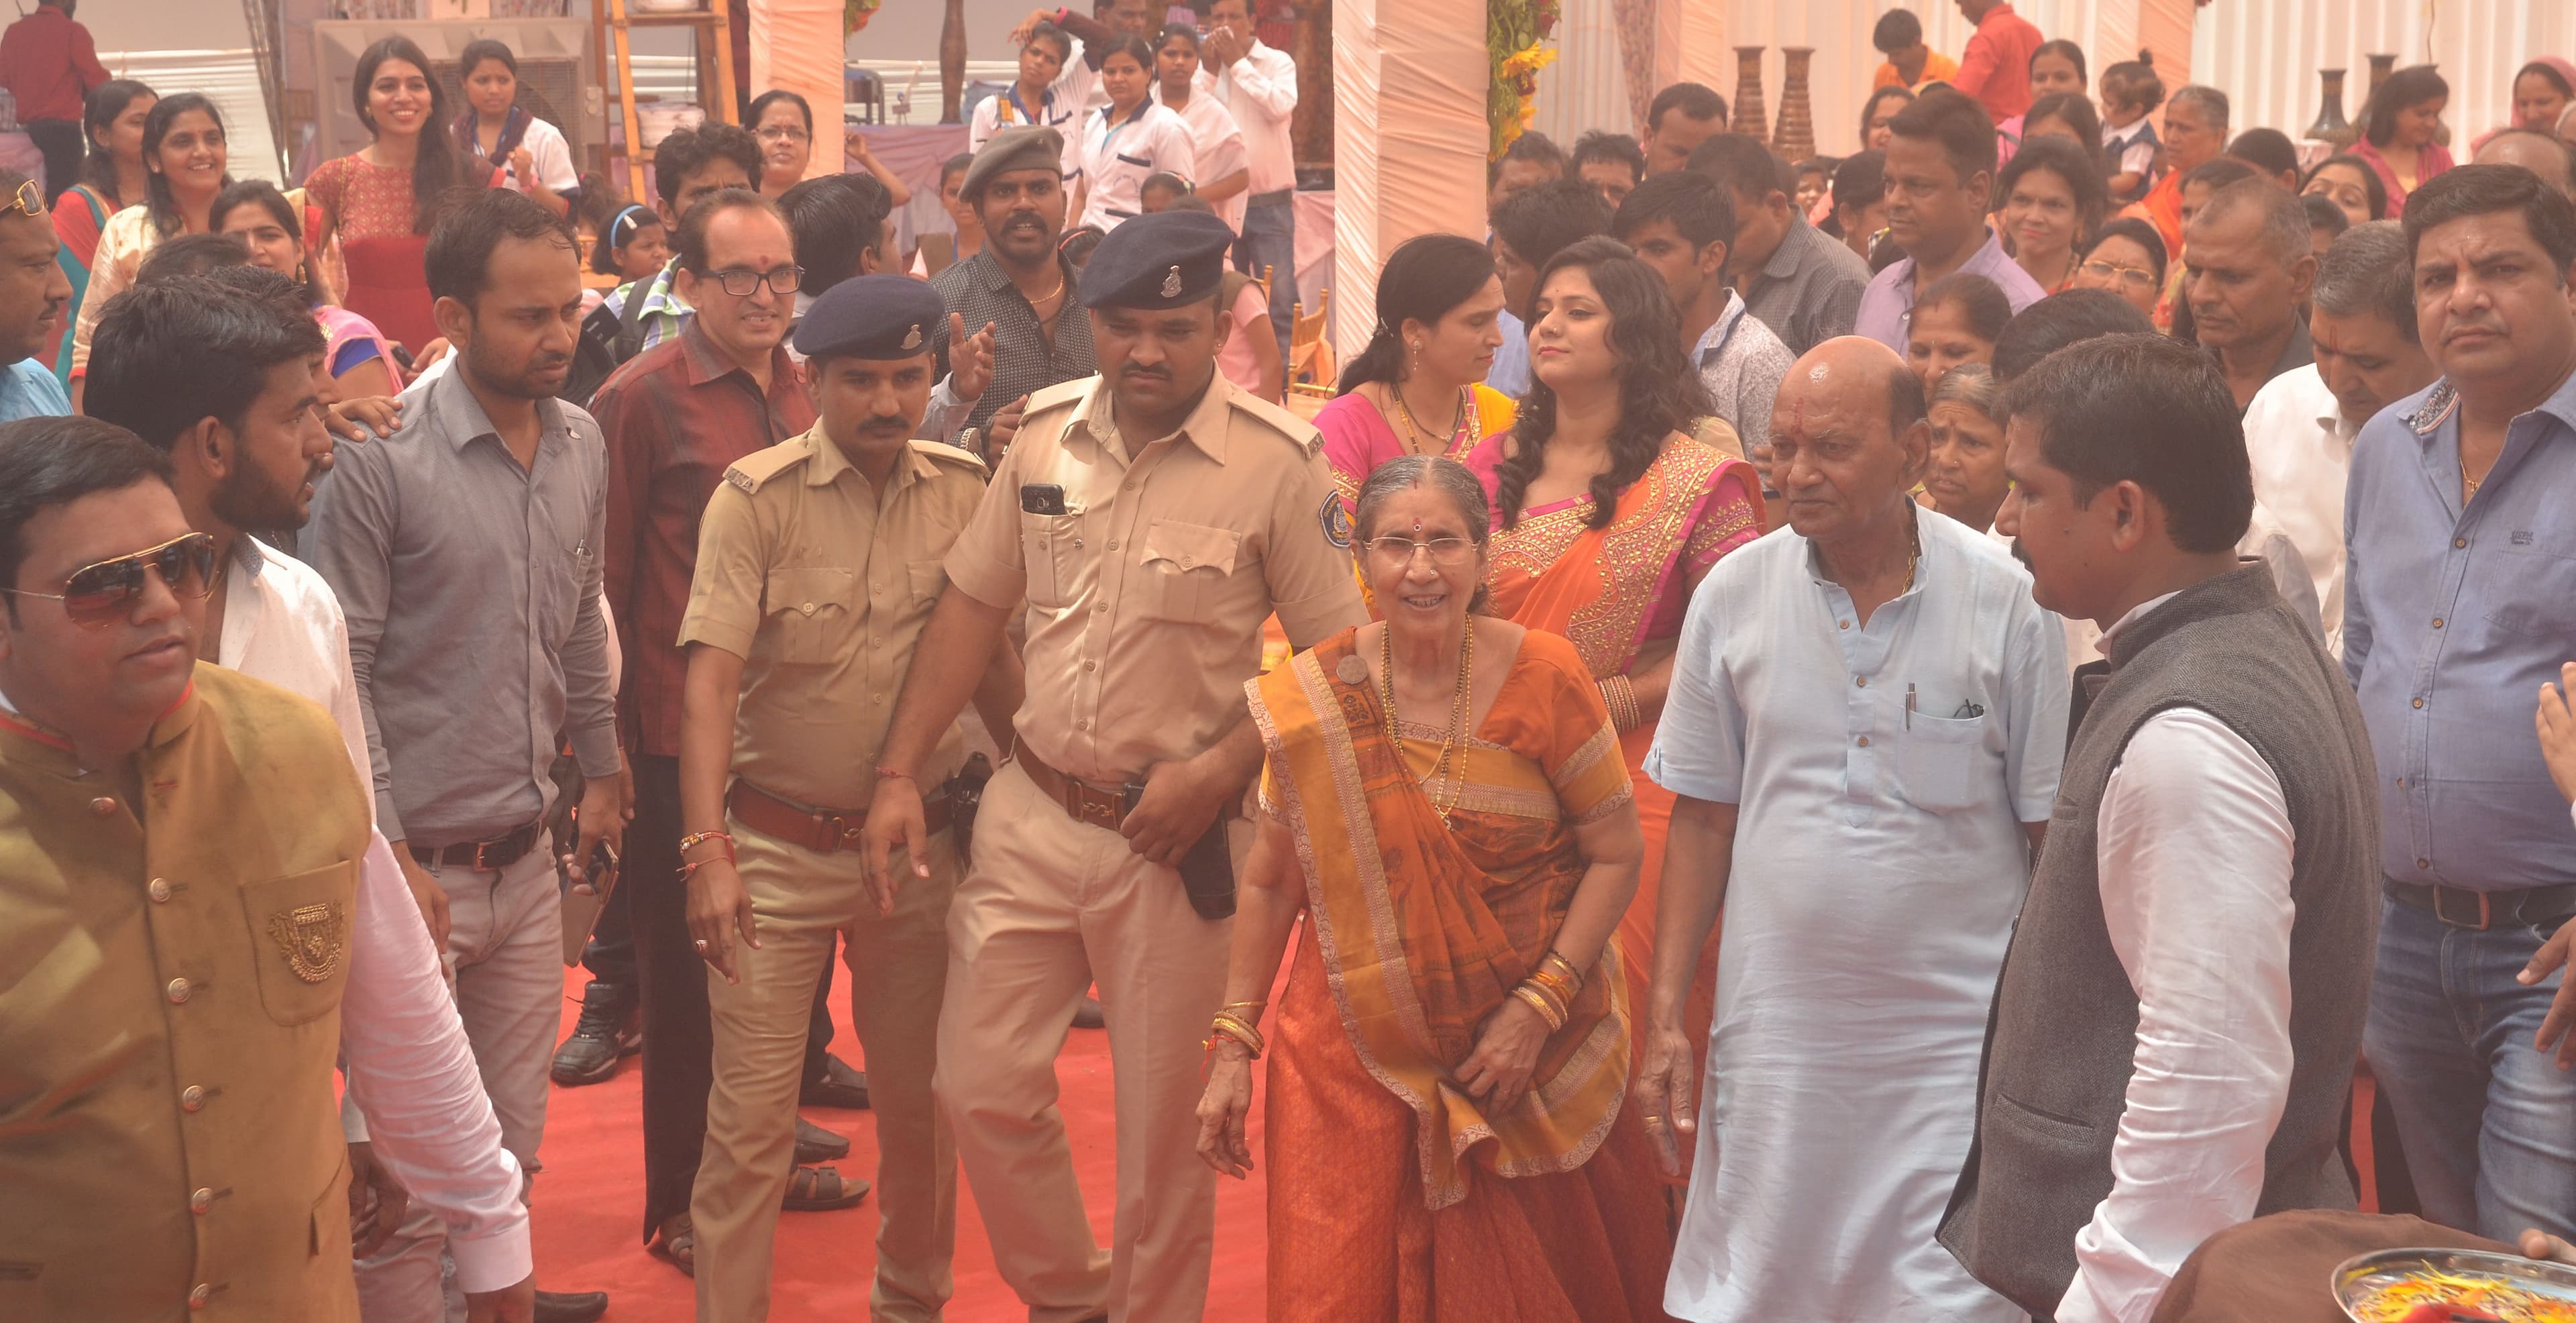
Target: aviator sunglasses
(98,595)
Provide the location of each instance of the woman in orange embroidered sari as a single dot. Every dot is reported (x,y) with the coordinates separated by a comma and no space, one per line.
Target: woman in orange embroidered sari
(1609,515)
(1450,1056)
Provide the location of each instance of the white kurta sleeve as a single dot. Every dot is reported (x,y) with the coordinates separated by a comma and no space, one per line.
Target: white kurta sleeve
(412,1072)
(2194,854)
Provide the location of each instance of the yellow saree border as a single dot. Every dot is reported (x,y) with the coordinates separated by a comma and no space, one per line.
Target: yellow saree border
(1317,791)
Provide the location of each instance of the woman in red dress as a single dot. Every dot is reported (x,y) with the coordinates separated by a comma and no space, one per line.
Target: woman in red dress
(379,201)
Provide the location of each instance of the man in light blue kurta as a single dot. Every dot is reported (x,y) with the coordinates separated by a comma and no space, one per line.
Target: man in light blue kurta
(1865,723)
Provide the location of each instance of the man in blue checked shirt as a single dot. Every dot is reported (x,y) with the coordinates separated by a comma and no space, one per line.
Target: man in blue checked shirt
(2461,603)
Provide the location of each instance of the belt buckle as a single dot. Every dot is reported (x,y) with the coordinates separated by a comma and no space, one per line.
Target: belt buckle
(840,831)
(1093,807)
(482,853)
(2486,908)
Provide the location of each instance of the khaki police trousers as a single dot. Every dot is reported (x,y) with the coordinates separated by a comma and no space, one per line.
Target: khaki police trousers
(1049,906)
(802,901)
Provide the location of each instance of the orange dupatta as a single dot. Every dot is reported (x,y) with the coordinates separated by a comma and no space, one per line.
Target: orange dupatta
(1422,941)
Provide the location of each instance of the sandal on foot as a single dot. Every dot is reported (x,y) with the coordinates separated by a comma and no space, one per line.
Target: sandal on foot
(678,1245)
(820,1190)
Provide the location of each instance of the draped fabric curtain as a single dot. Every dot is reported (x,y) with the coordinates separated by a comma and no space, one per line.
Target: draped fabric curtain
(1409,138)
(796,45)
(2265,56)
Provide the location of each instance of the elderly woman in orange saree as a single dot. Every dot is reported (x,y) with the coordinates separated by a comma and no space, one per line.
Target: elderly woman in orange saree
(1610,514)
(1450,1055)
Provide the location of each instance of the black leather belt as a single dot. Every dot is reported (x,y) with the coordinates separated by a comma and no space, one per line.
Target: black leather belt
(1277,197)
(484,856)
(2481,910)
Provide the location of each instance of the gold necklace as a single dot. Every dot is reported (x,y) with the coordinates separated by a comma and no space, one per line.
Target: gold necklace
(2468,485)
(1413,425)
(1458,706)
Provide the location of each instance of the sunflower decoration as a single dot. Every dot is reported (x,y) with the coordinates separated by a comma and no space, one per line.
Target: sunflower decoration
(856,13)
(1516,33)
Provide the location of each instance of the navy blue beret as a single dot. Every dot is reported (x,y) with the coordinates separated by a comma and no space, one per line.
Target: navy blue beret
(878,317)
(1165,259)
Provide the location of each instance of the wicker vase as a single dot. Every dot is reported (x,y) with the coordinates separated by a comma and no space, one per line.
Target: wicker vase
(1748,118)
(1796,136)
(2330,125)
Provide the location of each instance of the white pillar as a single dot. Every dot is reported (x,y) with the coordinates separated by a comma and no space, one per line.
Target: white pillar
(1409,139)
(796,45)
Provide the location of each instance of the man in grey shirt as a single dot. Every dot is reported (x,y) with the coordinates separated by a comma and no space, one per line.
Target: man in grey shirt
(1681,224)
(464,548)
(1801,283)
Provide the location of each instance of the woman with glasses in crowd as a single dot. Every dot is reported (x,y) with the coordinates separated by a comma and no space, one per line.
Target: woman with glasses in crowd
(783,122)
(2128,259)
(184,158)
(1444,802)
(112,178)
(1608,514)
(501,141)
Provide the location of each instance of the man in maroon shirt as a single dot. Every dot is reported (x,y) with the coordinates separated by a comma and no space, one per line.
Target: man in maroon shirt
(675,418)
(1996,68)
(49,64)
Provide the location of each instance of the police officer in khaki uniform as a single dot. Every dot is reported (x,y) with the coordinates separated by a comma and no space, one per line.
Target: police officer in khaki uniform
(818,565)
(181,858)
(1145,521)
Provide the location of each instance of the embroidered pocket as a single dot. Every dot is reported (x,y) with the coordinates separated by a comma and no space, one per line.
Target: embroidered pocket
(299,936)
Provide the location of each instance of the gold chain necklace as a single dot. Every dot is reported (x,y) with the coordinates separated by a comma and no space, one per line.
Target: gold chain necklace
(1413,425)
(1458,706)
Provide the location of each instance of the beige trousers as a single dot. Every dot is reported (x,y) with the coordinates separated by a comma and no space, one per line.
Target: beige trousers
(1050,906)
(898,972)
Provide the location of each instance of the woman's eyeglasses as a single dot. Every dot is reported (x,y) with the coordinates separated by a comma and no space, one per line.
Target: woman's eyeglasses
(782,133)
(742,283)
(1444,550)
(2139,276)
(99,595)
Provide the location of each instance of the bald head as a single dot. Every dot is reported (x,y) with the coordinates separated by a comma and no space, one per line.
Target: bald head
(2554,161)
(1847,438)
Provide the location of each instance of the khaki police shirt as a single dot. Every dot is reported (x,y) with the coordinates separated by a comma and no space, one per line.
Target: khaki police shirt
(1145,599)
(823,586)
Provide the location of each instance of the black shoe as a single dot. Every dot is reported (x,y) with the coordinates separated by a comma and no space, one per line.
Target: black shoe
(840,1086)
(605,1034)
(570,1306)
(814,1144)
(1088,1015)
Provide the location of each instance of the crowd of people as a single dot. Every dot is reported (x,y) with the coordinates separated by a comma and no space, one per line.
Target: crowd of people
(2009,668)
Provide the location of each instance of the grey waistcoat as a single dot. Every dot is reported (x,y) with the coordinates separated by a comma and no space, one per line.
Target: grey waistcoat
(2062,1035)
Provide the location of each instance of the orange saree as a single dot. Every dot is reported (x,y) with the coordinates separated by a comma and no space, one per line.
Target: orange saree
(1394,1197)
(1619,593)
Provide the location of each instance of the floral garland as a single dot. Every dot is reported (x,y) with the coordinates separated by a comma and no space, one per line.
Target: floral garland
(1514,33)
(856,13)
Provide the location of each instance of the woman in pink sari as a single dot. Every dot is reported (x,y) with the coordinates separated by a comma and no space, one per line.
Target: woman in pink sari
(2398,128)
(1419,387)
(1609,515)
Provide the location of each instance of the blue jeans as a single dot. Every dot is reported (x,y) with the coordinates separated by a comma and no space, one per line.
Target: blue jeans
(2489,1124)
(1270,239)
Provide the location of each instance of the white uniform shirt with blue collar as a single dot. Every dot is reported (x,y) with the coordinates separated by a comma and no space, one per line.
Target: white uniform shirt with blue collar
(1118,152)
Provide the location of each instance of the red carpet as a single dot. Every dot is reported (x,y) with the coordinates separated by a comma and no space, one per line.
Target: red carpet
(590,1202)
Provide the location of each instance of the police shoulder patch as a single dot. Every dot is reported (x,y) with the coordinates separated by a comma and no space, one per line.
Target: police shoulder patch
(1337,521)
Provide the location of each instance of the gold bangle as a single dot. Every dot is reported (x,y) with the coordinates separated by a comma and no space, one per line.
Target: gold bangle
(1537,1001)
(1228,1026)
(1552,958)
(1256,1007)
(1556,985)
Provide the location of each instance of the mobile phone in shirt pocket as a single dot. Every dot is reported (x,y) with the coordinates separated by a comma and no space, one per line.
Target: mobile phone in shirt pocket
(1938,759)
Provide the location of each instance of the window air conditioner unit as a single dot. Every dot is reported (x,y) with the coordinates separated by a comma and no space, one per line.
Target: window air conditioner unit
(557,75)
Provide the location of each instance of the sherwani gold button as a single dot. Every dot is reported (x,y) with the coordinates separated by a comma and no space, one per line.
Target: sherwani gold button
(192,1098)
(179,990)
(197,1298)
(159,890)
(102,806)
(202,1200)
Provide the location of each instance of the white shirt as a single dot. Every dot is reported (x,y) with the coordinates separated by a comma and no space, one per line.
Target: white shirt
(1260,90)
(410,1068)
(1055,110)
(2301,446)
(1118,155)
(2130,146)
(2193,852)
(1217,141)
(549,156)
